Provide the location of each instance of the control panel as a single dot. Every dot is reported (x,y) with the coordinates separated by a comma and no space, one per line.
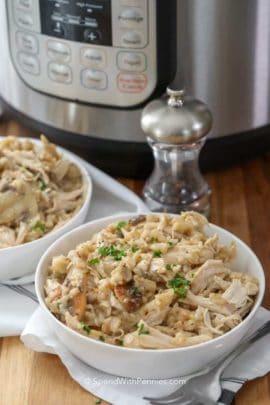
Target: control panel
(94,51)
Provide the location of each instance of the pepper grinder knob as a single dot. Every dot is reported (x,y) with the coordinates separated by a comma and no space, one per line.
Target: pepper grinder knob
(176,129)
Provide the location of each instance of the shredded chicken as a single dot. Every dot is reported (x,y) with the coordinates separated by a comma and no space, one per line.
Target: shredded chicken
(204,276)
(236,294)
(153,282)
(39,190)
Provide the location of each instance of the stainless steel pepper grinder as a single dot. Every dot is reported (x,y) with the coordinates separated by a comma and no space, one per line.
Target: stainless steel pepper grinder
(176,130)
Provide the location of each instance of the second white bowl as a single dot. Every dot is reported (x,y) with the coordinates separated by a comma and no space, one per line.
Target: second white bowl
(18,261)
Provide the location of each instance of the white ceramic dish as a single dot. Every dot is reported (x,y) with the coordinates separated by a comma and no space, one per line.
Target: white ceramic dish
(18,261)
(163,363)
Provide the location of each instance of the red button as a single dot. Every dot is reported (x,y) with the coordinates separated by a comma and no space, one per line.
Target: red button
(131,82)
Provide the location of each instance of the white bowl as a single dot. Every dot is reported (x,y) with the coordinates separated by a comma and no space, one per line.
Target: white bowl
(18,261)
(143,363)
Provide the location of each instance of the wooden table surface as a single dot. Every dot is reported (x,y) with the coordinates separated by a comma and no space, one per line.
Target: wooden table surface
(240,203)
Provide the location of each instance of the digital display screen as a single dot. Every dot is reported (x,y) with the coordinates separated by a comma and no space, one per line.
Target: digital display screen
(83,21)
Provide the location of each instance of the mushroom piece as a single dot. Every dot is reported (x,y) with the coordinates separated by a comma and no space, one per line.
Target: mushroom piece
(137,220)
(129,296)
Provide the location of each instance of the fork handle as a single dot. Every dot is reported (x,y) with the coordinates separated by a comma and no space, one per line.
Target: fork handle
(244,345)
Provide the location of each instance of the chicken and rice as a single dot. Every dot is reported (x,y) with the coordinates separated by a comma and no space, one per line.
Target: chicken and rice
(152,282)
(40,190)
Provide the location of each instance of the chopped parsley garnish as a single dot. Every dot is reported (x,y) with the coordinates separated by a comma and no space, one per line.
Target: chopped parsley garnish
(117,254)
(98,401)
(58,303)
(85,328)
(101,338)
(157,253)
(42,184)
(120,225)
(142,330)
(134,290)
(39,227)
(170,243)
(168,267)
(120,342)
(153,240)
(178,281)
(181,291)
(134,249)
(104,250)
(180,285)
(93,261)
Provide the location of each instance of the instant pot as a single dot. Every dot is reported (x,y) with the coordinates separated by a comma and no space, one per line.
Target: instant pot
(81,72)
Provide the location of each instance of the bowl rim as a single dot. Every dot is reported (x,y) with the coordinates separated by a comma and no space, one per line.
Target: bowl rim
(88,195)
(40,269)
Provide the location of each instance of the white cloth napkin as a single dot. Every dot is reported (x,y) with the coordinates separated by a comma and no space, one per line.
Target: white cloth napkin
(17,298)
(255,362)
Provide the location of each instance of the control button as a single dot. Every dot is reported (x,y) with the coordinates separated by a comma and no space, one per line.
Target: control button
(59,72)
(94,58)
(131,17)
(132,39)
(131,82)
(94,79)
(25,4)
(131,61)
(90,22)
(28,63)
(58,29)
(26,42)
(24,20)
(73,20)
(58,51)
(92,36)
